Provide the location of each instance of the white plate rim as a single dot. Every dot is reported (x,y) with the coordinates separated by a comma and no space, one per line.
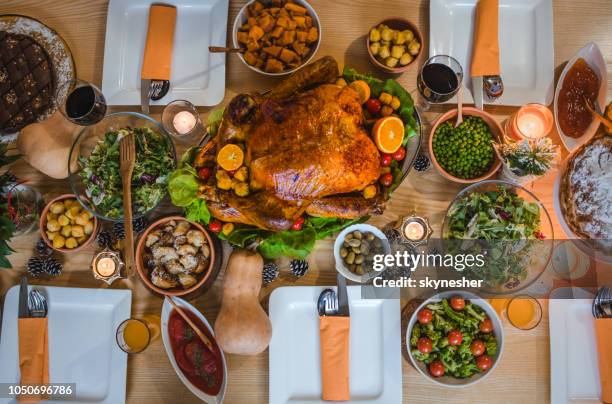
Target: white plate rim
(391,314)
(116,393)
(165,316)
(212,95)
(548,58)
(594,58)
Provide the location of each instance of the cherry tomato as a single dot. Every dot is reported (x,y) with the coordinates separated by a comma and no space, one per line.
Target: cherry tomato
(385,160)
(215,226)
(400,154)
(484,362)
(204,173)
(373,105)
(457,303)
(297,225)
(436,368)
(424,345)
(486,326)
(386,179)
(455,337)
(477,348)
(424,316)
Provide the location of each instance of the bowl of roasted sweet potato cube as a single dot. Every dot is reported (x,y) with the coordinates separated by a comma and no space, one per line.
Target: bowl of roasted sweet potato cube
(277,37)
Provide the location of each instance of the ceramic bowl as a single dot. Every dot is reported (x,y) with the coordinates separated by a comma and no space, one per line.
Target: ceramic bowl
(43,225)
(143,271)
(399,24)
(498,330)
(241,18)
(364,228)
(496,130)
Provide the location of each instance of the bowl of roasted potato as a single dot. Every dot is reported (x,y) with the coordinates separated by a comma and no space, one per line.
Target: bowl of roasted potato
(394,44)
(277,37)
(66,226)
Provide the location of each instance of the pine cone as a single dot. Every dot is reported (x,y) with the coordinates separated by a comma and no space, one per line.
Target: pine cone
(36,266)
(139,225)
(421,163)
(53,267)
(299,267)
(105,239)
(43,249)
(270,272)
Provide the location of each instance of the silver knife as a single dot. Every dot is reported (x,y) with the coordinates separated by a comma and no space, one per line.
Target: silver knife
(145,87)
(477,92)
(343,303)
(24,311)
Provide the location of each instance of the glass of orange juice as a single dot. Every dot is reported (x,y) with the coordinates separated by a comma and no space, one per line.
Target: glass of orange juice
(133,336)
(524,312)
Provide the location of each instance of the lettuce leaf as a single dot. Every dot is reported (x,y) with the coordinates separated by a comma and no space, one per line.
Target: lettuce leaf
(197,211)
(214,120)
(183,186)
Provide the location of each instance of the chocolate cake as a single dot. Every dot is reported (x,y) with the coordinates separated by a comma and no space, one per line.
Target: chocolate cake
(27,82)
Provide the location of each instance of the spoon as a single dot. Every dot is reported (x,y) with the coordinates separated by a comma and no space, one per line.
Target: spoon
(596,114)
(221,49)
(459,109)
(493,86)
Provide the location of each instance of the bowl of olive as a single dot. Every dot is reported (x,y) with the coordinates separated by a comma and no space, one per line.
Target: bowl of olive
(355,250)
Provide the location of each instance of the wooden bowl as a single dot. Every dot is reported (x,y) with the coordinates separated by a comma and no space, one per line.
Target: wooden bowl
(496,130)
(398,24)
(43,225)
(143,272)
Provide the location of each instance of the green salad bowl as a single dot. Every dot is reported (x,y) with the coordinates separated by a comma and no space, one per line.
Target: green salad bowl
(94,173)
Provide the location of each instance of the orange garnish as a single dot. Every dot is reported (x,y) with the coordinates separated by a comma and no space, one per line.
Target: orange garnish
(388,134)
(230,157)
(362,88)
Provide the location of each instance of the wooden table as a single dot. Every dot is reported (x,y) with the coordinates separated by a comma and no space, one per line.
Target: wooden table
(523,374)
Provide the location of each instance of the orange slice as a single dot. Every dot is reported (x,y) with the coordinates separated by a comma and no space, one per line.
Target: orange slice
(362,88)
(230,157)
(388,134)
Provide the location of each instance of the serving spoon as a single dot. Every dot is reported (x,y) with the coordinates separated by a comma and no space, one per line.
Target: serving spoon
(459,109)
(596,114)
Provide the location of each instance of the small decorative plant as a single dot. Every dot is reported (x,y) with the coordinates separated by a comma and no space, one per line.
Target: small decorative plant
(525,160)
(7,227)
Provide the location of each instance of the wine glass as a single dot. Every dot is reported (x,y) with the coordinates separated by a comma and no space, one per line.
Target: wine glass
(84,104)
(439,80)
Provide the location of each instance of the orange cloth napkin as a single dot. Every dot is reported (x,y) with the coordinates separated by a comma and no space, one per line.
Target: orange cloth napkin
(603,331)
(334,335)
(33,355)
(485,48)
(160,39)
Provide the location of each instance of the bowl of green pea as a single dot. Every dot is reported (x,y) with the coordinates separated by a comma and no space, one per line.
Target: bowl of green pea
(465,154)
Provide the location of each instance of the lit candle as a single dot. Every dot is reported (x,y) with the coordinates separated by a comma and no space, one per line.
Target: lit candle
(106,266)
(532,121)
(414,231)
(184,122)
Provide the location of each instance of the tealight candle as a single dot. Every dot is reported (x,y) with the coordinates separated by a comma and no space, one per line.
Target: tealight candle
(184,122)
(105,266)
(532,121)
(414,231)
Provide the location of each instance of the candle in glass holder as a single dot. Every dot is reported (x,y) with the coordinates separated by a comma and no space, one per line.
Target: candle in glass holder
(106,266)
(184,122)
(532,121)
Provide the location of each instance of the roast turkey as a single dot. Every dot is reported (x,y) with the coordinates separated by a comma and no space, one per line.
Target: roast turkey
(307,151)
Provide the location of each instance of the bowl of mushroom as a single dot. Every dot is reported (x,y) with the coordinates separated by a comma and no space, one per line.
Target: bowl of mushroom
(174,256)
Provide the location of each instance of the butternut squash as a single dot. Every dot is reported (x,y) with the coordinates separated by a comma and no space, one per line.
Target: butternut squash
(243,327)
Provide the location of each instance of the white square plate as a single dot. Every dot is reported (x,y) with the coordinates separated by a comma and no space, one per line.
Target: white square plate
(574,374)
(197,75)
(526,46)
(375,347)
(82,346)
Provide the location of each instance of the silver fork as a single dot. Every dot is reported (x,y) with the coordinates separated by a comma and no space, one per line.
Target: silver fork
(331,305)
(37,303)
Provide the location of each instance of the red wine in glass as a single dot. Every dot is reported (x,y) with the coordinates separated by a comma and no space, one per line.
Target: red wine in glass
(439,79)
(85,105)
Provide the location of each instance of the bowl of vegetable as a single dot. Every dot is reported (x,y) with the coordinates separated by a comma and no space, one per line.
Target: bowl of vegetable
(394,44)
(97,177)
(465,154)
(276,37)
(455,339)
(509,225)
(355,248)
